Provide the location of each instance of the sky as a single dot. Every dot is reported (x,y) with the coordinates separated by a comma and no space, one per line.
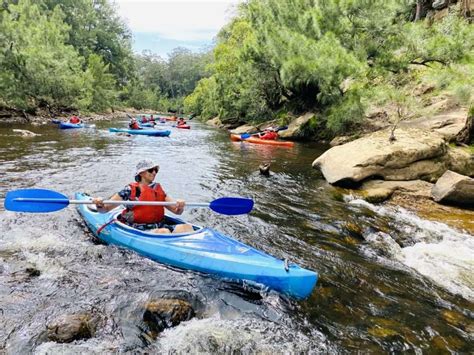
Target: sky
(162,25)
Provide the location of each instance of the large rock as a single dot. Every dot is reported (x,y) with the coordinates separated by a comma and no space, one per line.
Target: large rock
(415,154)
(295,128)
(244,129)
(216,122)
(448,124)
(454,188)
(461,161)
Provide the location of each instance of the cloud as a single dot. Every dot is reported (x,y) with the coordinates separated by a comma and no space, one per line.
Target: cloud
(180,20)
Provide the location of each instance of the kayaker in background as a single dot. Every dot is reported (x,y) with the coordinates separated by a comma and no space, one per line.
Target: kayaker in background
(74,120)
(134,124)
(268,134)
(151,119)
(144,119)
(181,122)
(149,218)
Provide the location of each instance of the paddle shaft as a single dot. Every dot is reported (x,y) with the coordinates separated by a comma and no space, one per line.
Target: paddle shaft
(107,202)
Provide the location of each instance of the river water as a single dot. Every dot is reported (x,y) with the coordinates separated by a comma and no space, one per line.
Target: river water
(400,283)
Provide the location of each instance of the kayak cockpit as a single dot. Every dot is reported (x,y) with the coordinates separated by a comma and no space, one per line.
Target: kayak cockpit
(168,220)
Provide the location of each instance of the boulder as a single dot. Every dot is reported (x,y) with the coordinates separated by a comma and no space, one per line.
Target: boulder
(70,327)
(244,129)
(164,313)
(439,4)
(454,188)
(414,154)
(295,128)
(461,161)
(215,122)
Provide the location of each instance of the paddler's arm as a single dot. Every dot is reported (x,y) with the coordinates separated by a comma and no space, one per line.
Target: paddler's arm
(103,208)
(178,208)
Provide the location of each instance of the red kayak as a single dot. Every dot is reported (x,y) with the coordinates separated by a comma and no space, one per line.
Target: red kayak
(255,140)
(184,126)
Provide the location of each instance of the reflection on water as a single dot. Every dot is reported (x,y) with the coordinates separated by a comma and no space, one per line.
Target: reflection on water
(378,287)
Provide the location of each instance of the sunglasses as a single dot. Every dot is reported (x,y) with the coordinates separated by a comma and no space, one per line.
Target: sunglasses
(152,170)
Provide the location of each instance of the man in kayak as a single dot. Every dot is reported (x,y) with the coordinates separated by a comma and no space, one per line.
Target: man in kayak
(150,218)
(134,124)
(268,134)
(75,120)
(181,122)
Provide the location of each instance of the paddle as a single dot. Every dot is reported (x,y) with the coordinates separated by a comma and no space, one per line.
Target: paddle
(41,200)
(248,135)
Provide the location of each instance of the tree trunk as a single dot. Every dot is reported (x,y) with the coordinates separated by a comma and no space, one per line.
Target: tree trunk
(466,135)
(418,10)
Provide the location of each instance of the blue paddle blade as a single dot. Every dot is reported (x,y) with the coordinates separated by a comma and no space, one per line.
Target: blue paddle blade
(245,136)
(232,205)
(35,200)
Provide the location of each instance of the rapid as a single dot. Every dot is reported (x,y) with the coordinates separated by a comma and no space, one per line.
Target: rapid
(402,284)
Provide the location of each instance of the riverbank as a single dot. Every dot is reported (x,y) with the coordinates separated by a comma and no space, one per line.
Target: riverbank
(42,116)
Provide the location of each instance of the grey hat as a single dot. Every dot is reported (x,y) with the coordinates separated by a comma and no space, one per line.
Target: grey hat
(145,164)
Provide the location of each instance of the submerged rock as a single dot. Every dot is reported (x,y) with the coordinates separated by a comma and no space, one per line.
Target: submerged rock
(70,327)
(264,169)
(165,313)
(26,133)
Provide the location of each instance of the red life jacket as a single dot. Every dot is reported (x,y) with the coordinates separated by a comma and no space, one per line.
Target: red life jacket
(269,136)
(74,119)
(134,125)
(145,214)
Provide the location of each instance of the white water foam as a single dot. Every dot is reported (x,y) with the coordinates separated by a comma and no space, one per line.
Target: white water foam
(214,335)
(440,253)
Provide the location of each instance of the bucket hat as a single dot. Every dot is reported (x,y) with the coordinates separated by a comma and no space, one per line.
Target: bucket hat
(145,164)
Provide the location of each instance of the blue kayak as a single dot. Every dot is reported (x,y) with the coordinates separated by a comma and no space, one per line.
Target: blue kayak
(147,124)
(204,250)
(144,132)
(67,125)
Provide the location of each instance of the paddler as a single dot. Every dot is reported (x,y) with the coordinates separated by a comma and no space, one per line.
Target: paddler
(268,134)
(149,218)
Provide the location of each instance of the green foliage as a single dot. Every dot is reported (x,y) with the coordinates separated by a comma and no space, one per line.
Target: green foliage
(331,57)
(38,68)
(99,86)
(95,28)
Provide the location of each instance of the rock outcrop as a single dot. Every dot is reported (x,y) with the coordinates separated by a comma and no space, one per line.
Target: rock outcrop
(296,127)
(454,188)
(415,154)
(244,129)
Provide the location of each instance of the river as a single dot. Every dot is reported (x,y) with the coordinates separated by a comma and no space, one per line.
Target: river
(400,284)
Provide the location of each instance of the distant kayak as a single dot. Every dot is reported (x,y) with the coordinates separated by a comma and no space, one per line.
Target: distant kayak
(255,140)
(183,126)
(67,125)
(143,132)
(147,124)
(204,250)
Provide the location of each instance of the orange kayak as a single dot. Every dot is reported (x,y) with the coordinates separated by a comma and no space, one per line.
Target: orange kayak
(255,140)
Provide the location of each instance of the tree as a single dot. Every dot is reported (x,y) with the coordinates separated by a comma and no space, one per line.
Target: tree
(38,68)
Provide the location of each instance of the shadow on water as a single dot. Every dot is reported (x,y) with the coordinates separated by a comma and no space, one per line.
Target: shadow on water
(370,295)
